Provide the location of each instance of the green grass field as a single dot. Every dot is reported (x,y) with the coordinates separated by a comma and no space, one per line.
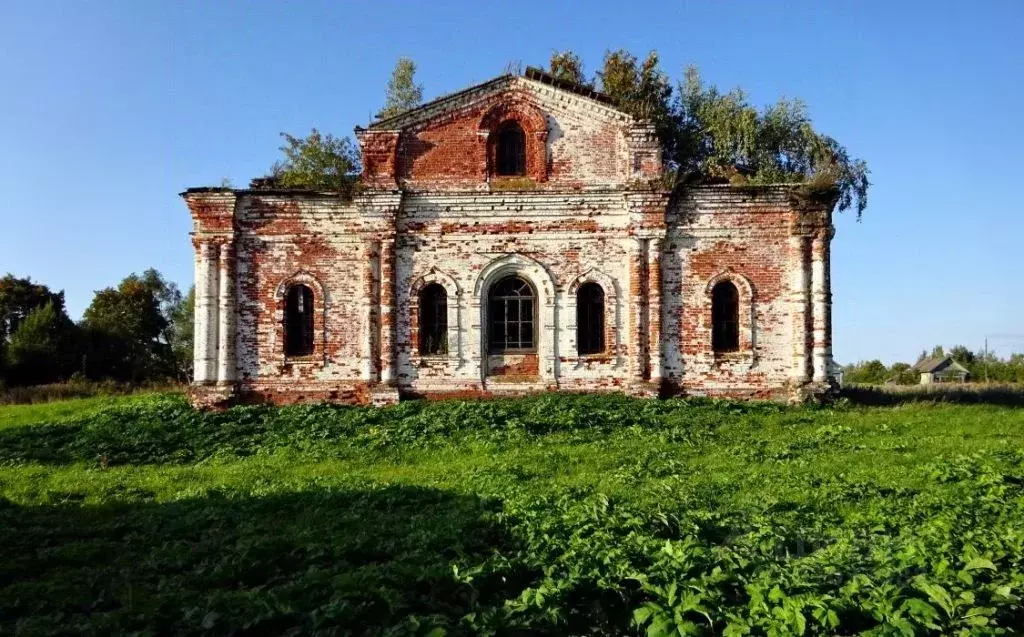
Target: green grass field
(555,514)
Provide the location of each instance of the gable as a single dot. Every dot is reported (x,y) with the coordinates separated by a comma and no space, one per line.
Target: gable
(571,139)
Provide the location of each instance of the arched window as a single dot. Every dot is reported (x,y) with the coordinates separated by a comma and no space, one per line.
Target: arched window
(510,310)
(590,319)
(433,320)
(298,321)
(725,317)
(511,151)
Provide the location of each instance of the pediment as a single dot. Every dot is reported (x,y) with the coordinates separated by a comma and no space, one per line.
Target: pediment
(503,91)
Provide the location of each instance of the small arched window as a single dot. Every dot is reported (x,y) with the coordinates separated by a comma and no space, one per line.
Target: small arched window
(590,319)
(433,320)
(511,151)
(725,317)
(510,310)
(298,321)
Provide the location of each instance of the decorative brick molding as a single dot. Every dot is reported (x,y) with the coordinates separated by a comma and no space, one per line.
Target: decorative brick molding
(534,125)
(747,352)
(453,294)
(613,351)
(321,306)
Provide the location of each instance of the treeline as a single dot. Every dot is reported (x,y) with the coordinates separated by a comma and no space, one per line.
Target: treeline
(136,332)
(982,367)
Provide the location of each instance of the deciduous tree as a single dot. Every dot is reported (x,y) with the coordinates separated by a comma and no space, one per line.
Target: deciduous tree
(129,329)
(182,336)
(318,162)
(566,65)
(41,348)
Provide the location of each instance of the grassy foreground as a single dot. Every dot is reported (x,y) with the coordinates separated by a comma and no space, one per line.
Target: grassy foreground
(555,514)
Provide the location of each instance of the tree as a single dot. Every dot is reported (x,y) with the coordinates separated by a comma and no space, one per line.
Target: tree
(870,372)
(318,162)
(566,65)
(938,352)
(903,374)
(19,297)
(642,90)
(182,337)
(128,329)
(40,349)
(403,92)
(723,135)
(963,356)
(713,136)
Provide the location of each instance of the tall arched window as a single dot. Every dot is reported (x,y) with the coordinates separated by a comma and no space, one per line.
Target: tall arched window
(590,319)
(510,312)
(298,321)
(511,151)
(433,320)
(725,317)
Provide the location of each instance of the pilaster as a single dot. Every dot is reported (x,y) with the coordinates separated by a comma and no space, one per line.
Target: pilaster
(226,316)
(655,247)
(821,293)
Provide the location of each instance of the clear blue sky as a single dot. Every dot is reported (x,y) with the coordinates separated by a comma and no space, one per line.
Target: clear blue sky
(109,109)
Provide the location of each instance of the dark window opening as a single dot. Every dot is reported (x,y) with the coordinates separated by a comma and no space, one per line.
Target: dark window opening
(725,317)
(590,319)
(511,316)
(298,321)
(433,320)
(511,152)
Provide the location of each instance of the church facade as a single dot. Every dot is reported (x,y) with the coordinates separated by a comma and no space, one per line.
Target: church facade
(509,238)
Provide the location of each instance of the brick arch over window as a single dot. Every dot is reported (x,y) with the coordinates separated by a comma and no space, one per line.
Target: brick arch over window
(535,131)
(534,273)
(454,302)
(746,311)
(611,309)
(319,305)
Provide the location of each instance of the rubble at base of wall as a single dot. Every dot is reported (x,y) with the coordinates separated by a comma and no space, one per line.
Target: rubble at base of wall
(217,397)
(212,397)
(811,393)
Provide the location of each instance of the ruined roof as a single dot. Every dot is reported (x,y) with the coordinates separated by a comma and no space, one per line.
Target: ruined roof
(532,74)
(938,364)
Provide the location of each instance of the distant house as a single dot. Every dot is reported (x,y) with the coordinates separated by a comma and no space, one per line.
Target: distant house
(941,369)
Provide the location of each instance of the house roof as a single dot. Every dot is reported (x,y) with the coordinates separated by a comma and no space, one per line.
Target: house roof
(532,74)
(938,364)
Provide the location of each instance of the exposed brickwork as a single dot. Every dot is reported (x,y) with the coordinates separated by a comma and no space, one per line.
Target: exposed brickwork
(431,211)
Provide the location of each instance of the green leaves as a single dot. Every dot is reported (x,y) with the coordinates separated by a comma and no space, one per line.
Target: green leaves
(318,162)
(554,514)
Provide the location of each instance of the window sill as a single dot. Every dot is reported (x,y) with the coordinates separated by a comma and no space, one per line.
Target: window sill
(301,360)
(431,360)
(501,183)
(602,357)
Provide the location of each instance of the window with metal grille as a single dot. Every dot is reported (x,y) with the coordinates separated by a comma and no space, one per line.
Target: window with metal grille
(298,321)
(511,314)
(725,317)
(511,151)
(590,319)
(433,320)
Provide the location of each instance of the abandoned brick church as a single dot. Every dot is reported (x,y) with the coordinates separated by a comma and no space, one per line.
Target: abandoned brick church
(512,237)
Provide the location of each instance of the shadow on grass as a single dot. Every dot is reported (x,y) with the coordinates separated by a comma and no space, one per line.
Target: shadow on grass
(338,561)
(882,396)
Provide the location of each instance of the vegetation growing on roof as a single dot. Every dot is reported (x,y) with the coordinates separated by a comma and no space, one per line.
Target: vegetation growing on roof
(710,135)
(320,162)
(403,92)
